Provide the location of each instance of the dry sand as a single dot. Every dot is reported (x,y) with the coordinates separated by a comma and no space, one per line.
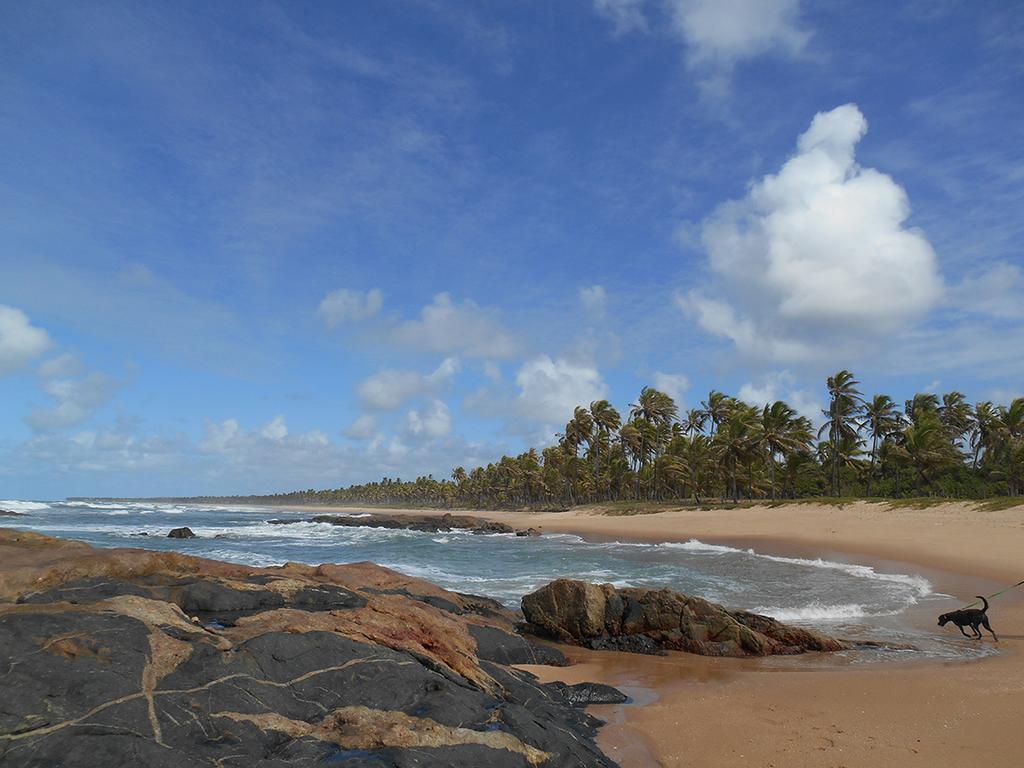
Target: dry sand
(806,711)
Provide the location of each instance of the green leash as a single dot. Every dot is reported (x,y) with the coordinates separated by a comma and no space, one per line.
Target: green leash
(996,594)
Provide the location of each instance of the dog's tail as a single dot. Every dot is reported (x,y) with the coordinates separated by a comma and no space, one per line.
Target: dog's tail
(984,601)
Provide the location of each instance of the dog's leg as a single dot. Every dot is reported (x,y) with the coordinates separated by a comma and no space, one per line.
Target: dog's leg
(989,628)
(961,628)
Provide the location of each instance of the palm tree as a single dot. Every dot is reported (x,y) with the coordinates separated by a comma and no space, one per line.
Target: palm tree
(606,420)
(694,421)
(717,408)
(881,419)
(1008,444)
(925,445)
(923,402)
(580,429)
(782,432)
(956,415)
(735,441)
(696,451)
(655,409)
(983,426)
(841,424)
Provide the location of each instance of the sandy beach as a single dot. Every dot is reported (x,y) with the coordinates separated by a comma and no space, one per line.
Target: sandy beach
(803,712)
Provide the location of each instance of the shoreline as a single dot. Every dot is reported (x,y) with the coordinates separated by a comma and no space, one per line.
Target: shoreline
(715,712)
(806,712)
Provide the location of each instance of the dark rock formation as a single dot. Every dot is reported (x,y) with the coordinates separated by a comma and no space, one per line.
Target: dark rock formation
(10,513)
(132,657)
(427,523)
(181,533)
(653,620)
(531,531)
(585,694)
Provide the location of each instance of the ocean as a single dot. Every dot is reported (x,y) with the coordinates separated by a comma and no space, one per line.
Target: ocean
(845,599)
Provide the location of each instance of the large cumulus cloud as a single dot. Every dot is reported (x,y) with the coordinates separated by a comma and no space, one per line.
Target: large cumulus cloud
(817,258)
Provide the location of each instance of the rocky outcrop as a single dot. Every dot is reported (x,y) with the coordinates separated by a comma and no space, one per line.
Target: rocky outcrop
(115,657)
(10,513)
(427,523)
(181,533)
(602,617)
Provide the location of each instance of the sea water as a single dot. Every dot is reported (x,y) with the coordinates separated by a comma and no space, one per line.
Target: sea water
(845,599)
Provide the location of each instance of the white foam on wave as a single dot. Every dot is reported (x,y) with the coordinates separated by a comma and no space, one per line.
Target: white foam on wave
(819,612)
(15,505)
(918,584)
(695,545)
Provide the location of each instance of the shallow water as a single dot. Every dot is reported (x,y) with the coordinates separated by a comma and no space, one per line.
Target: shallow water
(844,599)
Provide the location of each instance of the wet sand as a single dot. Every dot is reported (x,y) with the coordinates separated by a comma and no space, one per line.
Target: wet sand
(811,711)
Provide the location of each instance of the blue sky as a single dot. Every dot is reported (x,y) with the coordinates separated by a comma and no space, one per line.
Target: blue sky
(249,247)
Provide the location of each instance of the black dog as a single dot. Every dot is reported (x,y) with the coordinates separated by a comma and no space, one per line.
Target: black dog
(969,617)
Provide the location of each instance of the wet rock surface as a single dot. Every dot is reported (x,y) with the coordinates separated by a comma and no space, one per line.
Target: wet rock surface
(601,617)
(426,523)
(181,533)
(585,694)
(116,657)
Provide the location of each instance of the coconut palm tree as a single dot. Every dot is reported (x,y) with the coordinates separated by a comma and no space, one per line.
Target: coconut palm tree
(717,408)
(735,442)
(606,420)
(925,445)
(881,419)
(782,432)
(922,402)
(983,426)
(652,409)
(841,425)
(694,420)
(957,416)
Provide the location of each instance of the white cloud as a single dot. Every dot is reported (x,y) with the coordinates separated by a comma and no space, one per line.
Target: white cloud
(219,435)
(77,399)
(624,15)
(816,255)
(346,306)
(275,429)
(672,384)
(388,389)
(551,389)
(594,298)
(720,33)
(62,366)
(492,371)
(998,292)
(781,385)
(362,428)
(434,421)
(445,326)
(20,341)
(257,446)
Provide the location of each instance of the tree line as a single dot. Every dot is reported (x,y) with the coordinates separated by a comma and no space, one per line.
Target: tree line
(727,449)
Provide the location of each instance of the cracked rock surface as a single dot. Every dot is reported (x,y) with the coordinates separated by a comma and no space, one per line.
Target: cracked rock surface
(128,657)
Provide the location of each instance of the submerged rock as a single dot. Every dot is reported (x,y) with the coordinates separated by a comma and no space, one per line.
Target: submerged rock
(118,656)
(10,513)
(181,533)
(602,617)
(585,694)
(426,523)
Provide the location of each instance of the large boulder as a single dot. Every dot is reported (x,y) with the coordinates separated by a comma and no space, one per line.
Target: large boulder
(181,533)
(654,620)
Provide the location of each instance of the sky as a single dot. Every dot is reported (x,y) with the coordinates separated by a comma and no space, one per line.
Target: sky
(255,247)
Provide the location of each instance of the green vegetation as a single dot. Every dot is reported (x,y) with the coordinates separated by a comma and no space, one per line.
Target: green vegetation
(728,451)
